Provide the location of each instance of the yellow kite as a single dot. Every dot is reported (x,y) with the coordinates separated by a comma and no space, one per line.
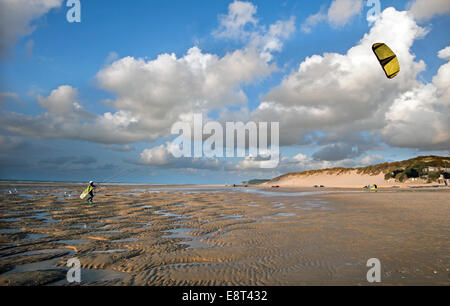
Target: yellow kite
(388,60)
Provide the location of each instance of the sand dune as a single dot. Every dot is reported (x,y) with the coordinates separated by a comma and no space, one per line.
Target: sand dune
(351,179)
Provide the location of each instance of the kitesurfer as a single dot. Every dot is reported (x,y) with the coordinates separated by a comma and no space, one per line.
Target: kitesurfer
(90,191)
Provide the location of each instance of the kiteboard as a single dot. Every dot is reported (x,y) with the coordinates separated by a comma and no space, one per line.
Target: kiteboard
(370,188)
(84,194)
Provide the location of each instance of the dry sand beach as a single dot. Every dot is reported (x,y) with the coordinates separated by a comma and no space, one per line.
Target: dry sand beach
(162,235)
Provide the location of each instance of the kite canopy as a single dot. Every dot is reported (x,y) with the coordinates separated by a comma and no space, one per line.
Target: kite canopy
(388,60)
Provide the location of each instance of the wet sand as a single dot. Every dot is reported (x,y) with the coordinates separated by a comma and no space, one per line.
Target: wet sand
(160,235)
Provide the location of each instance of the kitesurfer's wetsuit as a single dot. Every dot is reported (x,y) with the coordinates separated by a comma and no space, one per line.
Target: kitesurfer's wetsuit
(91,193)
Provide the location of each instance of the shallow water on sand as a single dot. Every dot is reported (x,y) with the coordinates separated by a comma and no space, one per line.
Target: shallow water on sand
(187,239)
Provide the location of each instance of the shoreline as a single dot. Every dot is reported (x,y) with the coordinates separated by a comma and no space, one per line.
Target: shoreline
(4,184)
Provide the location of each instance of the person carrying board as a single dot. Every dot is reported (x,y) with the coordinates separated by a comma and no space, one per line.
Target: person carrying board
(89,191)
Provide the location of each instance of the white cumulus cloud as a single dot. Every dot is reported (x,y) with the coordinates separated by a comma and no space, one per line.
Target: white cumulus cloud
(233,25)
(16,18)
(241,24)
(161,156)
(420,117)
(344,94)
(444,53)
(338,14)
(61,101)
(424,10)
(161,91)
(341,11)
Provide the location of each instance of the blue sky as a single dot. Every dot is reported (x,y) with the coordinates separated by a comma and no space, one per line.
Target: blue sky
(59,80)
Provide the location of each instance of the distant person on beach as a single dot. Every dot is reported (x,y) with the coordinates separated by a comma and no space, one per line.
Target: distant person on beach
(90,191)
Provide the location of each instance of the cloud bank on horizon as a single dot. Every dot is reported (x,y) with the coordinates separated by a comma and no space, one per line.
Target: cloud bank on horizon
(338,103)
